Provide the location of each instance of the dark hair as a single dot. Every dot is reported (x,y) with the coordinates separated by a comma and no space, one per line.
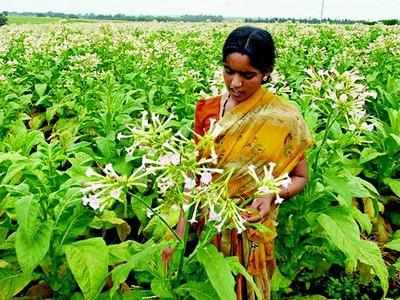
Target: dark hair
(254,42)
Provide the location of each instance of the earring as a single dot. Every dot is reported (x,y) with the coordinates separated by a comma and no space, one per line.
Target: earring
(265,78)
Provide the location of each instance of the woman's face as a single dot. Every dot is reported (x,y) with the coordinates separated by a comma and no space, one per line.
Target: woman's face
(241,79)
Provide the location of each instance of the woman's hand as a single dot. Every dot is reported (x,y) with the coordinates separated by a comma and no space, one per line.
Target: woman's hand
(261,207)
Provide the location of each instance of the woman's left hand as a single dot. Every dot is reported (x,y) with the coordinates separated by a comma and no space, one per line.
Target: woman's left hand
(262,206)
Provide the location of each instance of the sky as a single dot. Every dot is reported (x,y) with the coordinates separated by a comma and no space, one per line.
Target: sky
(340,9)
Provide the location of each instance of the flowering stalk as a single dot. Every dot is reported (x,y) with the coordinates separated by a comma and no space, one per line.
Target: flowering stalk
(269,184)
(101,191)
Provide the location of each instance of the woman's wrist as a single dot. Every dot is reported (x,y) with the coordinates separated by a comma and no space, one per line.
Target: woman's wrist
(285,193)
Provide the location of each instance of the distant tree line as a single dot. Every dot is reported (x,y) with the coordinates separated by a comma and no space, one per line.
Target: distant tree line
(190,18)
(122,17)
(3,18)
(317,21)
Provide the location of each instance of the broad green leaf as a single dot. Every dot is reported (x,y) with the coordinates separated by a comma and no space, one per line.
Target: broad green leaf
(33,236)
(279,282)
(237,267)
(394,185)
(124,251)
(362,219)
(342,232)
(40,89)
(370,254)
(396,138)
(349,186)
(12,283)
(88,261)
(198,290)
(369,154)
(162,288)
(139,262)
(218,271)
(106,145)
(394,245)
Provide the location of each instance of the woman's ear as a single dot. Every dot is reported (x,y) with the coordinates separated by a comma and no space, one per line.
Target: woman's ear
(266,78)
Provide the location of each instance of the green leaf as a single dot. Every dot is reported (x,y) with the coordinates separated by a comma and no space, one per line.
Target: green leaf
(161,287)
(349,186)
(106,145)
(124,251)
(218,271)
(237,267)
(33,236)
(40,89)
(139,261)
(370,254)
(369,154)
(342,232)
(394,185)
(362,219)
(88,261)
(396,138)
(279,281)
(394,245)
(11,283)
(198,290)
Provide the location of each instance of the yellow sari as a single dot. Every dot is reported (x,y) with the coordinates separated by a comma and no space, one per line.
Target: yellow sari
(264,128)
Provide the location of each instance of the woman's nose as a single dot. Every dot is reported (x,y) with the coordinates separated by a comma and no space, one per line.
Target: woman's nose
(236,81)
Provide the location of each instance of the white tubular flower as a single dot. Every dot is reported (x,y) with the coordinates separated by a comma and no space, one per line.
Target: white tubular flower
(174,159)
(164,160)
(149,213)
(194,215)
(213,215)
(205,178)
(164,183)
(220,225)
(278,199)
(190,183)
(85,200)
(90,172)
(270,184)
(94,202)
(109,171)
(252,173)
(116,194)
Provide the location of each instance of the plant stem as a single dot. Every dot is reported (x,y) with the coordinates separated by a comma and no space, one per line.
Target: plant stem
(185,239)
(158,215)
(327,129)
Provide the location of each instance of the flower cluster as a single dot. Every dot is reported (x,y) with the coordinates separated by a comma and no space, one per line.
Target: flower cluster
(100,191)
(269,184)
(150,135)
(185,172)
(343,92)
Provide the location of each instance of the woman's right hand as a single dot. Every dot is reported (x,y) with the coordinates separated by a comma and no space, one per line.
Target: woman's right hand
(259,208)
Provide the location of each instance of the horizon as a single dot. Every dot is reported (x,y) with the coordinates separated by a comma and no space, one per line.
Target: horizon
(310,9)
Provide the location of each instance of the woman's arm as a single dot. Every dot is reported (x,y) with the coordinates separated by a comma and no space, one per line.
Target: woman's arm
(299,176)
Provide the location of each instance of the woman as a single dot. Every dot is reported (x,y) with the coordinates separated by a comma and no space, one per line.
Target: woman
(257,128)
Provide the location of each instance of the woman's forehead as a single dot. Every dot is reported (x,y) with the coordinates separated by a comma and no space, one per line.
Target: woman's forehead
(239,62)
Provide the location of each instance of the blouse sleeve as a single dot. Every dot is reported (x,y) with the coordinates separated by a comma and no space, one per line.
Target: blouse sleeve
(198,117)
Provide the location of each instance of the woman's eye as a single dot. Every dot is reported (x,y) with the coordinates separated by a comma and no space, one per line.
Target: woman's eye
(228,71)
(248,75)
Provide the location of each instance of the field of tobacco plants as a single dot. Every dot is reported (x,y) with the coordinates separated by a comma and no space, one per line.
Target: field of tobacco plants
(97,161)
